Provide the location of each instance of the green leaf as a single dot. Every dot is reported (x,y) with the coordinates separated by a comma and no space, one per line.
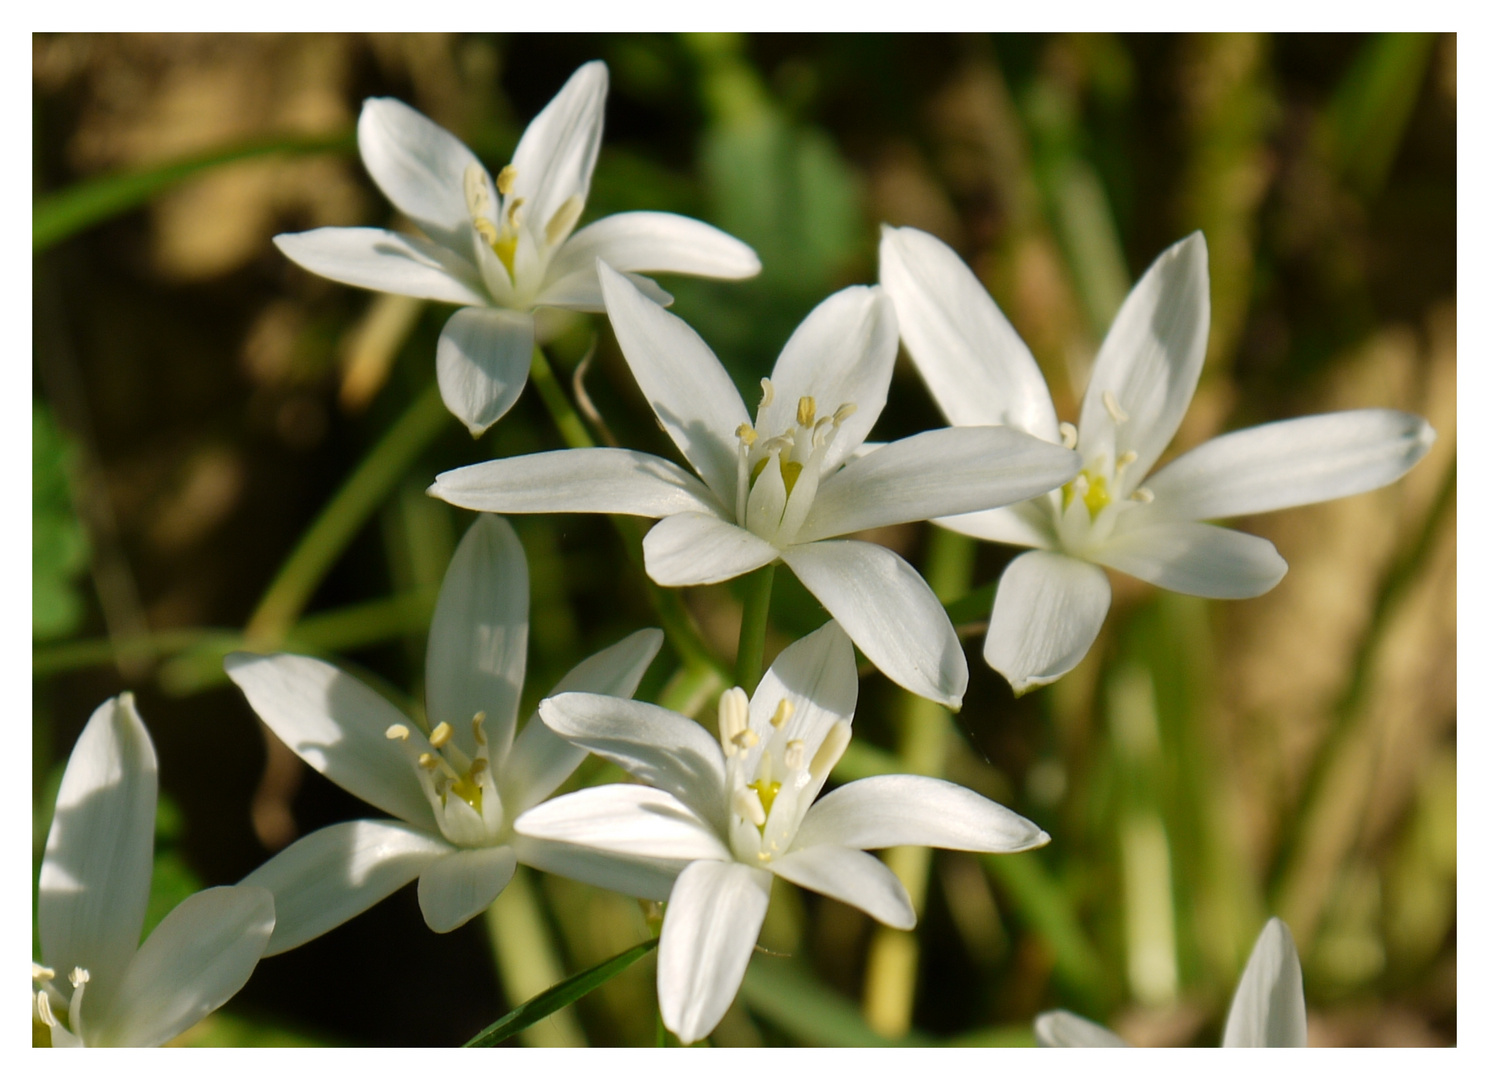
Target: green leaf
(556,997)
(787,994)
(59,546)
(57,216)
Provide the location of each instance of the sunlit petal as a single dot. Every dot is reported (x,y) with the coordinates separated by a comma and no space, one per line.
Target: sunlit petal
(1047,612)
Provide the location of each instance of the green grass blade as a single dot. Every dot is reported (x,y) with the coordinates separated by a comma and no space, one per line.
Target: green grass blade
(556,997)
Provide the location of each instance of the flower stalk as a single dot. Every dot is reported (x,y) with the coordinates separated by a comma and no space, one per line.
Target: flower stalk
(755,621)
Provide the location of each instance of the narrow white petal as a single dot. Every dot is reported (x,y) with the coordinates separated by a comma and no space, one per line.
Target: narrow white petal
(556,155)
(842,353)
(693,396)
(603,480)
(629,875)
(580,291)
(482,362)
(977,367)
(477,652)
(888,611)
(1025,524)
(652,242)
(713,920)
(338,726)
(651,743)
(627,820)
(700,549)
(1268,1008)
(1290,463)
(1061,1028)
(200,955)
(541,760)
(336,873)
(458,886)
(1047,612)
(95,875)
(852,876)
(420,167)
(385,261)
(818,675)
(887,811)
(935,474)
(1201,560)
(1150,361)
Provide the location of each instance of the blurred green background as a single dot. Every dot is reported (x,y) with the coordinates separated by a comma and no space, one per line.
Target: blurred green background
(199,402)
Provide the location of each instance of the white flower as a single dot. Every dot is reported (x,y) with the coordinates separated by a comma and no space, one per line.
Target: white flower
(95,884)
(1051,602)
(456,791)
(502,248)
(1268,1008)
(781,487)
(740,811)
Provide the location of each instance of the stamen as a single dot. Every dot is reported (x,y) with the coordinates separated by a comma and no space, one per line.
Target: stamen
(477,194)
(44,1009)
(512,208)
(806,411)
(734,717)
(487,230)
(476,729)
(41,974)
(428,761)
(844,411)
(746,803)
(78,976)
(767,393)
(440,735)
(796,754)
(1142,495)
(1113,410)
(563,219)
(746,434)
(782,714)
(506,179)
(1069,436)
(745,739)
(397,731)
(478,766)
(832,748)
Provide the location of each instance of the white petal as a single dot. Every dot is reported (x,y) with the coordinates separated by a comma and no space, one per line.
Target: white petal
(634,875)
(603,480)
(1201,560)
(689,390)
(977,367)
(818,675)
(385,261)
(482,361)
(852,876)
(541,760)
(713,920)
(556,155)
(843,353)
(937,473)
(1290,463)
(627,820)
(1268,1008)
(336,873)
(700,549)
(580,291)
(887,811)
(888,611)
(477,652)
(1150,361)
(200,955)
(95,875)
(338,726)
(1061,1028)
(457,887)
(651,743)
(1048,610)
(1025,524)
(420,167)
(653,242)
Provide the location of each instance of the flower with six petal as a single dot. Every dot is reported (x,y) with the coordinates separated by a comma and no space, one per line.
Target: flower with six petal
(1268,1008)
(783,487)
(454,791)
(95,883)
(499,249)
(1052,601)
(740,811)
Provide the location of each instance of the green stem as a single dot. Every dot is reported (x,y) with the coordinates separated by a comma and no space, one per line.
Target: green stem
(346,513)
(568,421)
(756,620)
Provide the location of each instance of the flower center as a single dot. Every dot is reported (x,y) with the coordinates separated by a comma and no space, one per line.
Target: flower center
(1087,508)
(499,220)
(779,473)
(42,978)
(460,789)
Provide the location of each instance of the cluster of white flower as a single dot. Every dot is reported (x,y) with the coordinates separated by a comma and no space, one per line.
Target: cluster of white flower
(715,818)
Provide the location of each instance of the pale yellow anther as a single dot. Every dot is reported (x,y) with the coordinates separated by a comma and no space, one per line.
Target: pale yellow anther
(844,411)
(796,754)
(767,393)
(746,434)
(44,1009)
(563,219)
(1142,495)
(1109,400)
(41,974)
(745,739)
(1069,436)
(747,804)
(512,208)
(478,766)
(428,761)
(487,230)
(397,731)
(477,194)
(506,179)
(806,411)
(440,735)
(832,748)
(782,714)
(477,730)
(78,976)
